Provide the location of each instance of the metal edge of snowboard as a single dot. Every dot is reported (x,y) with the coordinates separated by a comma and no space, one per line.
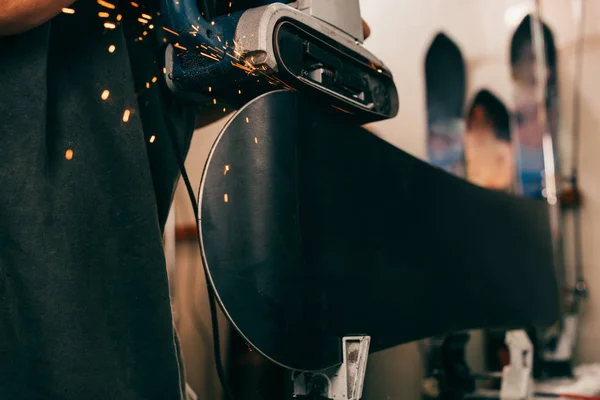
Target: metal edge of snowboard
(207,269)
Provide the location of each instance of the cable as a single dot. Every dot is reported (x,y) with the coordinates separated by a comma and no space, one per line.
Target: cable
(211,293)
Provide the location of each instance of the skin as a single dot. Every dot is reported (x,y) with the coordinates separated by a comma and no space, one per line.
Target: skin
(18,16)
(366,29)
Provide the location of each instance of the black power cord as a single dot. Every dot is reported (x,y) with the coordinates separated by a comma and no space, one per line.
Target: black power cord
(211,293)
(207,11)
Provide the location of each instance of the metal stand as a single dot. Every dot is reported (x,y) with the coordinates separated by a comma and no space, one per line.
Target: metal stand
(517,377)
(339,383)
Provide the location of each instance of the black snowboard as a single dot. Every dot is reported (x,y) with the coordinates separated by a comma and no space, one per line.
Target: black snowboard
(313,228)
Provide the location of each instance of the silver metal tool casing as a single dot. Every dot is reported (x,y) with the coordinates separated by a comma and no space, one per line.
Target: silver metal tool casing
(343,14)
(256,29)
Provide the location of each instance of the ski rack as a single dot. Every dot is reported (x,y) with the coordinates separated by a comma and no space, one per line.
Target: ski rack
(457,382)
(341,382)
(517,377)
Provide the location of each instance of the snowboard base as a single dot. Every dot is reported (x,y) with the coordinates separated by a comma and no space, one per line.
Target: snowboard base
(313,229)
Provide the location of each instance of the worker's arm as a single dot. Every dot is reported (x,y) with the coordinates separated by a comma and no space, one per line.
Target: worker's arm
(17,16)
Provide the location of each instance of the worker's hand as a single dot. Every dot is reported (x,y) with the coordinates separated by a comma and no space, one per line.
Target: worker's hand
(366,29)
(17,16)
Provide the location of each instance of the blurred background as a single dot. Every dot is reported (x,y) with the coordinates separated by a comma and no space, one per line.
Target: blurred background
(464,69)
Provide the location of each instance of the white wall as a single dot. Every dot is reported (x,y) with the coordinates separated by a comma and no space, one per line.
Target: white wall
(560,16)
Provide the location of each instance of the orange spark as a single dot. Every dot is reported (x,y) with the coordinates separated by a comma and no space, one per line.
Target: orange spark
(151,26)
(105,94)
(212,23)
(154,79)
(214,101)
(133,3)
(240,66)
(69,154)
(240,91)
(230,4)
(68,10)
(119,17)
(103,14)
(215,49)
(170,31)
(341,109)
(207,55)
(147,85)
(152,139)
(126,115)
(111,48)
(146,16)
(179,46)
(209,89)
(165,70)
(109,25)
(106,4)
(226,198)
(142,20)
(247,120)
(224,110)
(144,33)
(226,170)
(255,140)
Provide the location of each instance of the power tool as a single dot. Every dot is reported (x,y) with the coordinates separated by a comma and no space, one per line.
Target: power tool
(233,51)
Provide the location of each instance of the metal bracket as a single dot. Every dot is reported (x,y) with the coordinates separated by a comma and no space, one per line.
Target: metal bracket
(338,383)
(517,377)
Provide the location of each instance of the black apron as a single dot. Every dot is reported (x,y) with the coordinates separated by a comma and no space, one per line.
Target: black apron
(85,189)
